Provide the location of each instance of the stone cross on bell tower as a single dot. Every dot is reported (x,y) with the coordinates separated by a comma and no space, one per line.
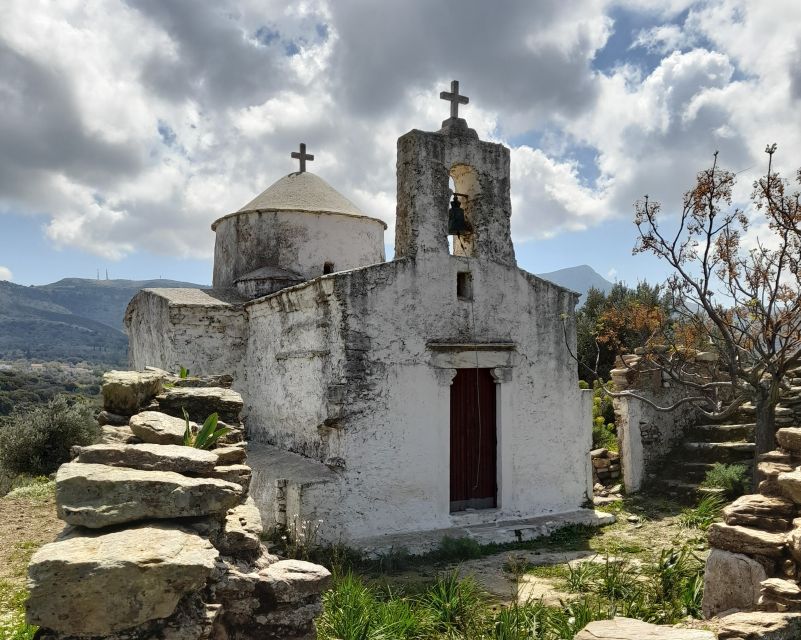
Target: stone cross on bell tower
(302,156)
(454,98)
(480,172)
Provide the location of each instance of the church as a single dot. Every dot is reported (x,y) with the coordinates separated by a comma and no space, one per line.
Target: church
(390,402)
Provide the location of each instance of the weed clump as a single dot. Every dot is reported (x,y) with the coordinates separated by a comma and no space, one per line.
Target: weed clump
(732,479)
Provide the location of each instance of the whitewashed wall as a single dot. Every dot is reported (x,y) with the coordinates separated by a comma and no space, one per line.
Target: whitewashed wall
(364,334)
(171,328)
(295,240)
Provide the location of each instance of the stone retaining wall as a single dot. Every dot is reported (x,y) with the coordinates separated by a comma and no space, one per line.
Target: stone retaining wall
(756,551)
(162,540)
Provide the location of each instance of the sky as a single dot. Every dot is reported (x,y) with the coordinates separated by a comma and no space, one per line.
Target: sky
(127,127)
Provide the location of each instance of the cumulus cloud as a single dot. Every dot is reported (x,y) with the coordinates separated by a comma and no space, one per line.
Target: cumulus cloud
(141,145)
(5,274)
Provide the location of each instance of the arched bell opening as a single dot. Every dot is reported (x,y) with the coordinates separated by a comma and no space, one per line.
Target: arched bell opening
(465,194)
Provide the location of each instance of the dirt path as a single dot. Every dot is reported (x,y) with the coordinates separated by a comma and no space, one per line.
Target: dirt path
(25,525)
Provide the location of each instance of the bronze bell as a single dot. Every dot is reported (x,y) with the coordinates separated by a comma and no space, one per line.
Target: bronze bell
(457,225)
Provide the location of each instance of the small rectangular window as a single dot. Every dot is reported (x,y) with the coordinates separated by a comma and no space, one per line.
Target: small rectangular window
(328,267)
(464,285)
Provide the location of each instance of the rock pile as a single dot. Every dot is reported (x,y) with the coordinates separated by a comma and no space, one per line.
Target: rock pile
(755,561)
(162,540)
(605,467)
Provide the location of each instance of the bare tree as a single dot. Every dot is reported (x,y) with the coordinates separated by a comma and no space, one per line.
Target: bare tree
(742,304)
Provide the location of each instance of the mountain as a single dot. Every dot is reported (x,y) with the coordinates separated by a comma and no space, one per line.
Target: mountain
(70,320)
(580,279)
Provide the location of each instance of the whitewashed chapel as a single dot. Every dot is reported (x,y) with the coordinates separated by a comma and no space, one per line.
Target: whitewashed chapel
(430,392)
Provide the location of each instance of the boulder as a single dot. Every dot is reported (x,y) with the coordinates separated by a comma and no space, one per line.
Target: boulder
(630,629)
(230,455)
(201,402)
(121,435)
(97,585)
(760,625)
(295,580)
(159,428)
(150,457)
(242,529)
(124,392)
(96,495)
(762,512)
(746,540)
(789,438)
(791,485)
(238,473)
(731,581)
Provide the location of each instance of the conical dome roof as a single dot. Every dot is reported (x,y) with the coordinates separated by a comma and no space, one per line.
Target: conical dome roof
(302,191)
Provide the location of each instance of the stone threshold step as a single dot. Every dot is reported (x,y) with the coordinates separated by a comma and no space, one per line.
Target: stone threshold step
(719,451)
(490,532)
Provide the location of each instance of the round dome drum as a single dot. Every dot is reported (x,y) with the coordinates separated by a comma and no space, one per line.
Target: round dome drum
(300,224)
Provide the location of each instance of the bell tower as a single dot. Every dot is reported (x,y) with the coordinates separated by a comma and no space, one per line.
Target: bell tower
(480,173)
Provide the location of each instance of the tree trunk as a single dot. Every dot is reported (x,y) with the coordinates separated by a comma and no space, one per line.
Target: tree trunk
(765,435)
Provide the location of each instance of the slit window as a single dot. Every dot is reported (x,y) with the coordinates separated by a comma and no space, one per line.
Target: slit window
(464,285)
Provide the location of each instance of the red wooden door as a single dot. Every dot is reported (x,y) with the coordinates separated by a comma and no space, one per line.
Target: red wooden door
(473,440)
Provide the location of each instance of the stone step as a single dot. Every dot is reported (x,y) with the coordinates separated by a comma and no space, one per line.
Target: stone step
(714,432)
(697,470)
(719,451)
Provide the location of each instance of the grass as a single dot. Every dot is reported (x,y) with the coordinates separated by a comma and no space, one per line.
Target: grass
(704,513)
(12,612)
(36,489)
(664,592)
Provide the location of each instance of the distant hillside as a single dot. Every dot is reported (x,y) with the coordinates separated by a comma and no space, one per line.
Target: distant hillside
(580,279)
(69,320)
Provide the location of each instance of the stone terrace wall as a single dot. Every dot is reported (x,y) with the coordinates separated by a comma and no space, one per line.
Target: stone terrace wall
(162,540)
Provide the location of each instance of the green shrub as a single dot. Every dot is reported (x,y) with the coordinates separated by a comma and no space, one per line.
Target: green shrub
(733,479)
(604,434)
(37,440)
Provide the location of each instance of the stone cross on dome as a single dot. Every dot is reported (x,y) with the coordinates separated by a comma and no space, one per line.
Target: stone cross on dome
(302,156)
(454,98)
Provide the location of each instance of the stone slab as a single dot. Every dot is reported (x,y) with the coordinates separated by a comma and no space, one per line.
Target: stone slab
(150,457)
(789,438)
(758,625)
(770,513)
(230,455)
(97,585)
(155,427)
(201,402)
(242,529)
(124,392)
(791,485)
(95,495)
(746,540)
(630,629)
(295,580)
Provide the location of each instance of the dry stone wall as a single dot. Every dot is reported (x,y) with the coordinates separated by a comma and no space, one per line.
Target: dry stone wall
(162,540)
(756,551)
